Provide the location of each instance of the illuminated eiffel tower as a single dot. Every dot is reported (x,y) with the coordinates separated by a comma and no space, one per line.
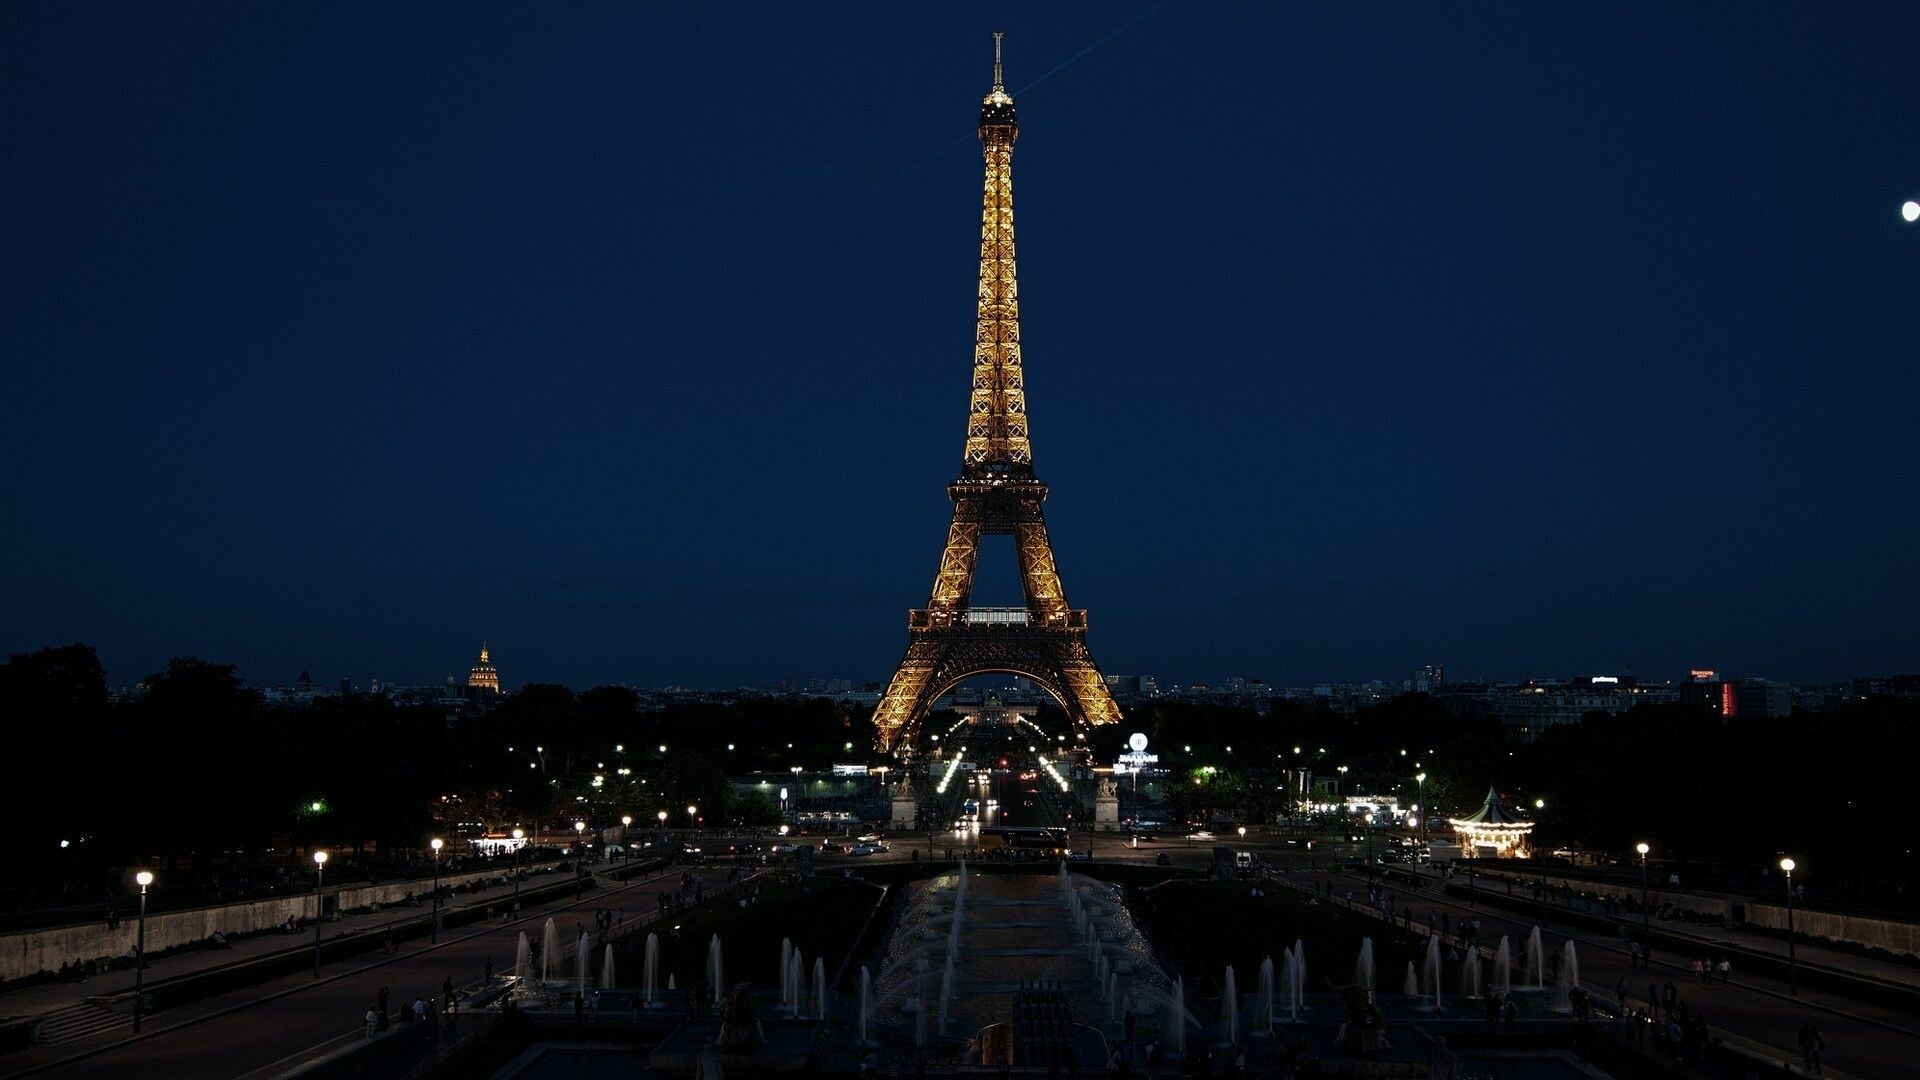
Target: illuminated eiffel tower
(997,494)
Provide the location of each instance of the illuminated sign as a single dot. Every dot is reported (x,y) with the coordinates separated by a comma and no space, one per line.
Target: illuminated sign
(849,770)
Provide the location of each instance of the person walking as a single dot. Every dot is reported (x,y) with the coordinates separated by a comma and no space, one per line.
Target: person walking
(1810,1046)
(1726,969)
(372,1019)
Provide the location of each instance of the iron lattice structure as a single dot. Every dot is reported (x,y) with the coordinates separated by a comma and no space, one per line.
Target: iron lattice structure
(996,494)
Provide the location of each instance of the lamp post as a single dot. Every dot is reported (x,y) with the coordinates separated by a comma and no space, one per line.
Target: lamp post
(662,815)
(1793,968)
(518,834)
(436,844)
(626,842)
(580,859)
(319,904)
(1646,933)
(693,816)
(1420,794)
(144,878)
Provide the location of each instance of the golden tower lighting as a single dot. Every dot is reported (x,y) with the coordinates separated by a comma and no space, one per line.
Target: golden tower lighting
(996,494)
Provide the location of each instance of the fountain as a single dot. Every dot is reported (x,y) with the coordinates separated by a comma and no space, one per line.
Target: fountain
(1410,986)
(1569,978)
(1230,1007)
(786,966)
(946,993)
(523,958)
(794,993)
(1290,974)
(1470,974)
(606,968)
(1266,995)
(1536,960)
(1430,971)
(1297,990)
(866,991)
(651,972)
(715,971)
(549,948)
(1503,966)
(1177,1017)
(1363,965)
(819,988)
(580,965)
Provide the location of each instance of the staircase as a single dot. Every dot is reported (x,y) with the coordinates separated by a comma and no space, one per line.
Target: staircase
(76,1022)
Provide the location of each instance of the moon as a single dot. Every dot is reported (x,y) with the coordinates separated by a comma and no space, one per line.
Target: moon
(1910,210)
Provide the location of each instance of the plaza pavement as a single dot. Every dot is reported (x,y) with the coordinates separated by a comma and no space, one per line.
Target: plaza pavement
(288,1019)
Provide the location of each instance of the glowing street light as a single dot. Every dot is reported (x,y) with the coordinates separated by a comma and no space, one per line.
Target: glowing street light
(1646,934)
(144,878)
(1420,793)
(626,844)
(1910,210)
(580,858)
(319,905)
(518,834)
(436,843)
(1793,968)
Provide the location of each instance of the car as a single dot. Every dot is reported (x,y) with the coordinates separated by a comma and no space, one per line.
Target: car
(832,846)
(1079,856)
(868,838)
(1200,834)
(864,849)
(785,849)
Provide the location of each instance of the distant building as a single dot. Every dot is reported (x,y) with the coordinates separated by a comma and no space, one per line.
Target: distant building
(483,679)
(1728,698)
(1428,676)
(1895,686)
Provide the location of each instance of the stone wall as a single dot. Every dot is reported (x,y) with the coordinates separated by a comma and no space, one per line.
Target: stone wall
(34,951)
(1894,937)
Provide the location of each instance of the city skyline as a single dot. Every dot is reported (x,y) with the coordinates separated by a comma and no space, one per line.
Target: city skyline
(1541,374)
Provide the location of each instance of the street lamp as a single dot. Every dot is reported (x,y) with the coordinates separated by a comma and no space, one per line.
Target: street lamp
(1646,934)
(436,844)
(143,878)
(1420,793)
(693,815)
(518,834)
(580,858)
(1793,968)
(319,906)
(626,842)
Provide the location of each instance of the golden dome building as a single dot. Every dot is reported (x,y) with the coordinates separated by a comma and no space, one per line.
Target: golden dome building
(483,678)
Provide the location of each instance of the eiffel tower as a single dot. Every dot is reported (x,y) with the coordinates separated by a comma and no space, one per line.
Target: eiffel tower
(996,494)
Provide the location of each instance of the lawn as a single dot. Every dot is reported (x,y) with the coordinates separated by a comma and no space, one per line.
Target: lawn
(1213,924)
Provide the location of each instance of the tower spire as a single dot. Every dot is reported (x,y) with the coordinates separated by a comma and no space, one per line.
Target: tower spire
(997,415)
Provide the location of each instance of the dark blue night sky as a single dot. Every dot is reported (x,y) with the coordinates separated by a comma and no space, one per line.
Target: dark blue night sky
(635,340)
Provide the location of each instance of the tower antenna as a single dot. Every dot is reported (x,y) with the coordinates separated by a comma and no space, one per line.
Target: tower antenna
(998,82)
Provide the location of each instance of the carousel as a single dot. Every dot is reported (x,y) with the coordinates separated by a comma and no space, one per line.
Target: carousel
(1493,831)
